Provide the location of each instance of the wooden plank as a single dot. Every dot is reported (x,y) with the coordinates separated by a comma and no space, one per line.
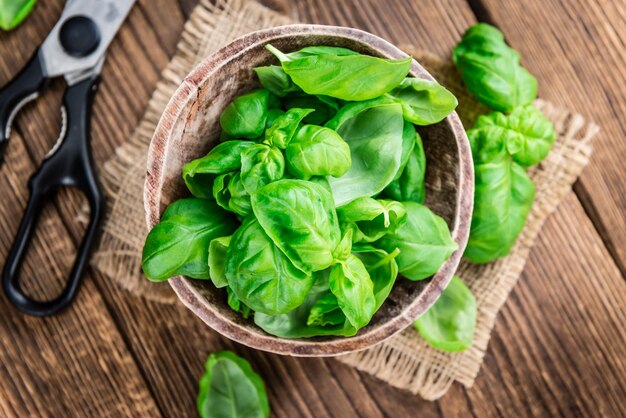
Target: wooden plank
(577,51)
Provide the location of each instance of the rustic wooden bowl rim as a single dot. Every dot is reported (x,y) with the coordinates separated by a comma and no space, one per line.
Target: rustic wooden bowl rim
(251,335)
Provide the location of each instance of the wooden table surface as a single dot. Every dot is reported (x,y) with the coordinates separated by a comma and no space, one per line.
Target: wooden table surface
(559,345)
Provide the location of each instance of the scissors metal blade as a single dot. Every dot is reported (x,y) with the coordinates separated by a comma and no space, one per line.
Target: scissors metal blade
(108,16)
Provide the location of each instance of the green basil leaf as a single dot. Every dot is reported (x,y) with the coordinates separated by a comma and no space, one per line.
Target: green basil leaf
(382,268)
(237,305)
(284,127)
(317,151)
(309,51)
(13,12)
(260,165)
(230,388)
(409,186)
(221,194)
(293,324)
(239,197)
(491,70)
(450,323)
(527,133)
(373,130)
(409,139)
(224,158)
(276,80)
(343,249)
(424,241)
(272,115)
(179,244)
(352,77)
(300,218)
(424,102)
(246,115)
(323,107)
(217,260)
(372,218)
(261,275)
(350,282)
(495,227)
(326,311)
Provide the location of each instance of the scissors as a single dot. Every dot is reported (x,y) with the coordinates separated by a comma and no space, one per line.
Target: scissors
(74,49)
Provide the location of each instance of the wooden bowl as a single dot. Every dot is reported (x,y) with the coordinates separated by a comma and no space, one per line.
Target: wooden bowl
(189,128)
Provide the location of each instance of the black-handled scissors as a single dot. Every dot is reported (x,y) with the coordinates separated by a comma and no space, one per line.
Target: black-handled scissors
(74,49)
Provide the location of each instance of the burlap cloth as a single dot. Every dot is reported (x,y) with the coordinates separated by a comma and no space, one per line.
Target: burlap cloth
(406,360)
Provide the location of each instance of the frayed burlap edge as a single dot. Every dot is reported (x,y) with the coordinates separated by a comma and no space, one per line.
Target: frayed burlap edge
(405,361)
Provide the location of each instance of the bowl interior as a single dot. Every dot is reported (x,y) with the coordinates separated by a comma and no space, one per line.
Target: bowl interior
(190,128)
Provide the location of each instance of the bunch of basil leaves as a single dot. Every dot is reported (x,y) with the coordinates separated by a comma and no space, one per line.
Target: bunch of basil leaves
(311,205)
(504,143)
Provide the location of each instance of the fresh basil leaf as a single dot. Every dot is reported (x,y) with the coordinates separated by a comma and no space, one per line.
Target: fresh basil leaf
(272,115)
(343,249)
(450,323)
(13,12)
(284,127)
(373,130)
(224,158)
(409,138)
(260,165)
(382,268)
(300,218)
(323,107)
(317,151)
(350,282)
(239,197)
(237,305)
(424,241)
(246,115)
(230,388)
(293,324)
(217,260)
(309,51)
(179,244)
(352,77)
(527,133)
(496,226)
(326,311)
(261,275)
(491,70)
(220,190)
(372,218)
(409,186)
(424,102)
(276,80)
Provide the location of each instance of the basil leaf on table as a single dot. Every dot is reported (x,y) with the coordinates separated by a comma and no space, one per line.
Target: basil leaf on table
(372,218)
(409,185)
(237,305)
(246,115)
(491,69)
(217,260)
(382,268)
(352,77)
(179,244)
(230,388)
(424,102)
(276,80)
(528,134)
(450,323)
(224,158)
(424,242)
(374,133)
(13,12)
(350,282)
(497,178)
(260,165)
(285,127)
(293,324)
(300,218)
(317,151)
(261,275)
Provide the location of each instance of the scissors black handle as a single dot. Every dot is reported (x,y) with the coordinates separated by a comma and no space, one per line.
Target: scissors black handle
(19,91)
(69,165)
